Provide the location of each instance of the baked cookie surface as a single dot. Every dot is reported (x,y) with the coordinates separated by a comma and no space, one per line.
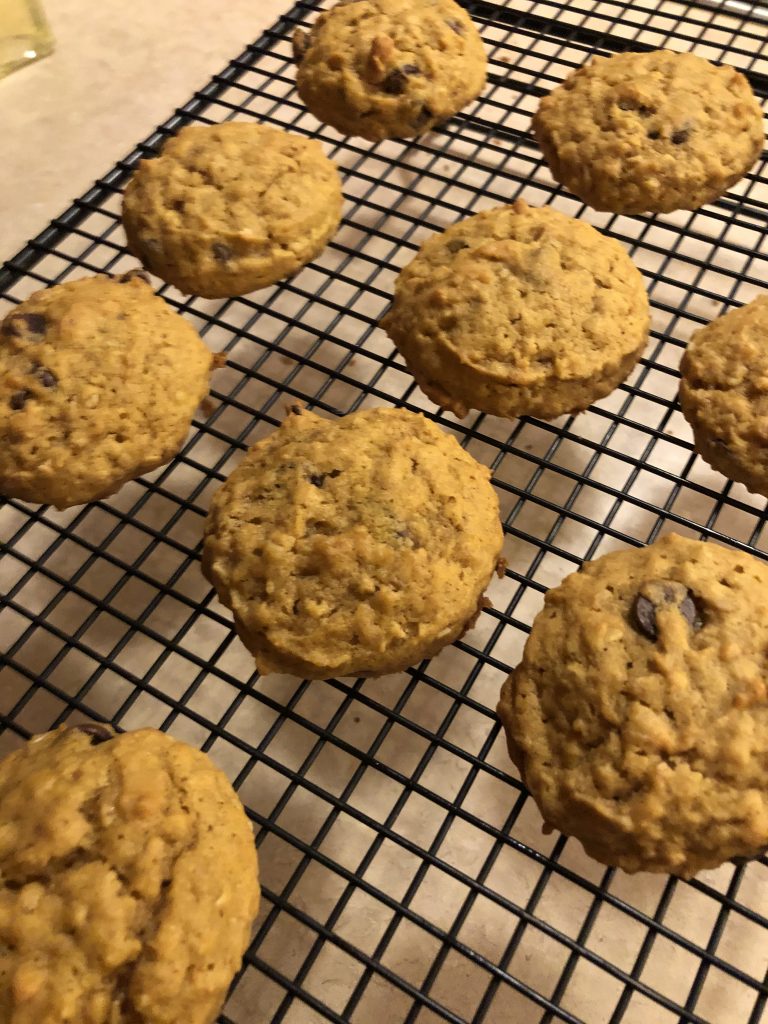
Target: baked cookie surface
(128,881)
(650,132)
(99,380)
(389,68)
(724,393)
(519,310)
(638,716)
(226,209)
(355,546)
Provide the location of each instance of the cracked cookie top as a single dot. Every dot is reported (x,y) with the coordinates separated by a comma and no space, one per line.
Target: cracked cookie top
(389,68)
(519,310)
(99,380)
(650,132)
(229,208)
(128,880)
(354,546)
(638,715)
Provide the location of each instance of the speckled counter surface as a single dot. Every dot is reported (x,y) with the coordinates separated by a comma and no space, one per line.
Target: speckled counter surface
(117,71)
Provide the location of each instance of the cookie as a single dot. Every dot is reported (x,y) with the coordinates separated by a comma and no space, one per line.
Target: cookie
(724,393)
(638,717)
(650,132)
(230,208)
(99,380)
(128,881)
(389,69)
(352,547)
(519,311)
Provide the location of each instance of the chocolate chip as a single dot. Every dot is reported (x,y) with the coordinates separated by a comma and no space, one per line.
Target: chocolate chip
(131,275)
(642,110)
(396,80)
(25,323)
(456,245)
(457,26)
(654,135)
(178,205)
(46,378)
(98,733)
(424,115)
(19,399)
(679,137)
(657,594)
(318,479)
(222,253)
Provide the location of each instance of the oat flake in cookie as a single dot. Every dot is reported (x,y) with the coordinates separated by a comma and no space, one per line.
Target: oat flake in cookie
(638,716)
(355,546)
(128,881)
(724,393)
(386,69)
(99,380)
(650,132)
(519,311)
(230,208)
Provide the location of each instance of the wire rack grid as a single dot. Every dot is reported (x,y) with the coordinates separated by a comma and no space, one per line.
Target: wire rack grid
(406,877)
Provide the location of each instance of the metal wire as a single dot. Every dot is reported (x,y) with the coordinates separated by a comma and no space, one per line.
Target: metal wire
(405,874)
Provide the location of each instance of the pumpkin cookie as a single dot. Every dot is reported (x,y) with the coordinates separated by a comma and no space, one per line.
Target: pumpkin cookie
(724,393)
(519,311)
(638,717)
(99,380)
(388,69)
(234,207)
(650,132)
(128,880)
(356,546)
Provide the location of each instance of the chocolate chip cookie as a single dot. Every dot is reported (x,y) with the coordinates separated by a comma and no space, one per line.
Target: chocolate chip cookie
(99,380)
(724,393)
(230,208)
(355,546)
(386,69)
(128,881)
(519,310)
(638,717)
(650,132)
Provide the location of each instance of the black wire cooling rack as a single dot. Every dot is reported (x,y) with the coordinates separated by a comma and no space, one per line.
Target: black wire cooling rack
(406,876)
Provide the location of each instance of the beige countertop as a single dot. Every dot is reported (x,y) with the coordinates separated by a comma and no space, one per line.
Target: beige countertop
(115,74)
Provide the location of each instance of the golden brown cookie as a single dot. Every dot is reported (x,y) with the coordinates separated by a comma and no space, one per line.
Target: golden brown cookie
(519,311)
(638,717)
(724,393)
(99,380)
(650,132)
(355,546)
(230,208)
(128,881)
(387,69)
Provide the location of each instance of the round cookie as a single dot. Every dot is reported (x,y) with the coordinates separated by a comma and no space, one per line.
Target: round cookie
(388,69)
(724,393)
(99,380)
(128,880)
(638,717)
(230,208)
(356,546)
(650,132)
(519,311)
